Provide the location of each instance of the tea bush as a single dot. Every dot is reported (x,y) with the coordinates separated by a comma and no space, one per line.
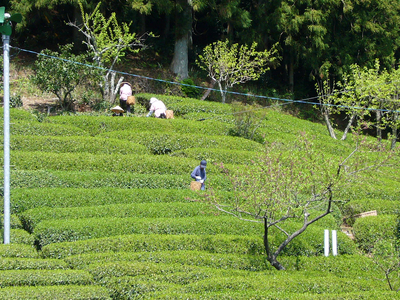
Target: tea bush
(18,250)
(309,243)
(182,106)
(32,217)
(77,144)
(157,242)
(71,292)
(19,236)
(29,198)
(131,164)
(29,263)
(165,143)
(55,231)
(86,179)
(216,155)
(22,127)
(101,124)
(358,206)
(367,231)
(44,277)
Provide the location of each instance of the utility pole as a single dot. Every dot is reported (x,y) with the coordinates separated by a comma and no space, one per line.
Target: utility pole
(6,30)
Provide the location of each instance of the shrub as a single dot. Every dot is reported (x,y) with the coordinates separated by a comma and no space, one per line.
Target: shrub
(29,263)
(367,231)
(22,127)
(181,257)
(134,164)
(19,236)
(55,231)
(101,124)
(157,242)
(44,277)
(77,144)
(217,155)
(71,292)
(189,89)
(18,250)
(182,106)
(363,205)
(76,179)
(15,222)
(164,143)
(24,199)
(342,265)
(32,217)
(47,232)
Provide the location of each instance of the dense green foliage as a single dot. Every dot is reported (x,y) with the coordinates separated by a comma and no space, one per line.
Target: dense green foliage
(101,209)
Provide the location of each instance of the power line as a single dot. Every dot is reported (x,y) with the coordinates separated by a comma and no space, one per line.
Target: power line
(288,101)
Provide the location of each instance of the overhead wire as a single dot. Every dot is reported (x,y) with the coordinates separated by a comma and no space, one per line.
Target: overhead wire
(285,100)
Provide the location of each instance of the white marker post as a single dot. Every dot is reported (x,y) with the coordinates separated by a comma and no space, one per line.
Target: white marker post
(326,242)
(334,243)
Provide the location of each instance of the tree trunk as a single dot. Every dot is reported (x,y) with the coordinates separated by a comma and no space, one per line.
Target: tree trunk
(270,257)
(208,91)
(223,93)
(394,130)
(378,125)
(329,125)
(346,130)
(183,35)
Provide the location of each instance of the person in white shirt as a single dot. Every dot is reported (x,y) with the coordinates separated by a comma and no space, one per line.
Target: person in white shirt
(124,92)
(158,108)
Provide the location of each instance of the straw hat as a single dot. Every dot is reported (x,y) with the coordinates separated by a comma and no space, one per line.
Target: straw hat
(117,109)
(125,82)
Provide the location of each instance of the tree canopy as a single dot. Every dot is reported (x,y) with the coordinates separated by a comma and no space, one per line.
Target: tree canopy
(310,34)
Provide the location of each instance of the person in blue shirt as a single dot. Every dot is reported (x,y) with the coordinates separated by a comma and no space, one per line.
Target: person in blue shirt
(199,174)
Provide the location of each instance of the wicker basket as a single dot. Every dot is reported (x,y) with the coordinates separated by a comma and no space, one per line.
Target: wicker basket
(169,114)
(131,100)
(195,186)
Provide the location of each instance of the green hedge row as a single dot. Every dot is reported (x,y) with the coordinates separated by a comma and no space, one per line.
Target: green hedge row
(368,230)
(76,179)
(182,106)
(28,198)
(138,164)
(44,277)
(17,114)
(22,127)
(288,282)
(19,236)
(56,231)
(216,155)
(165,143)
(210,117)
(341,265)
(17,250)
(157,242)
(71,292)
(15,222)
(358,206)
(181,257)
(310,243)
(164,291)
(80,144)
(32,217)
(96,125)
(7,263)
(202,281)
